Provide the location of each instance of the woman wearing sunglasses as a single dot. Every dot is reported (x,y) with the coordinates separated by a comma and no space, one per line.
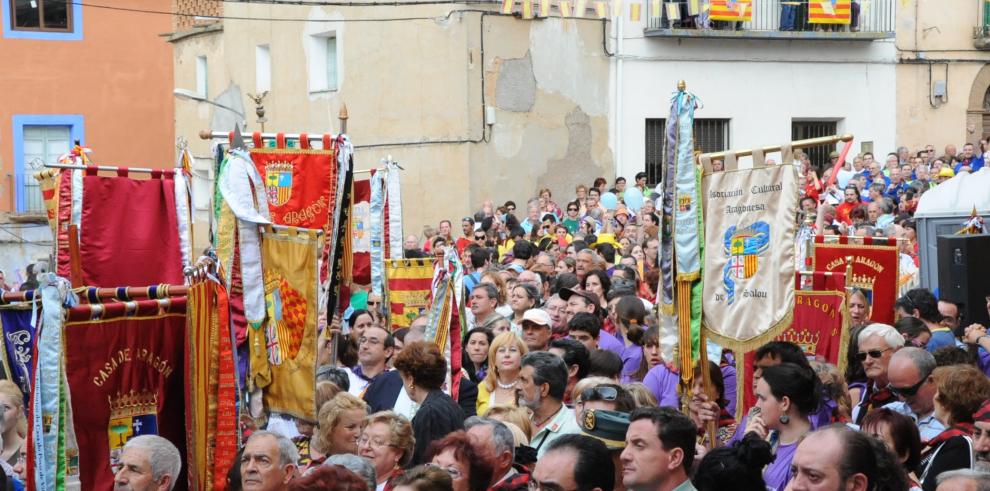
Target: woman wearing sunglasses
(877,343)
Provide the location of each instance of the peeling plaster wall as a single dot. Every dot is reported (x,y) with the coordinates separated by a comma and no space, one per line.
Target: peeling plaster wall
(423,81)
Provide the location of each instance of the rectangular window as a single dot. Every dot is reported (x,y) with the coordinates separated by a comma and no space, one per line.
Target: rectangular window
(202,87)
(804,129)
(40,15)
(262,68)
(41,145)
(710,135)
(324,69)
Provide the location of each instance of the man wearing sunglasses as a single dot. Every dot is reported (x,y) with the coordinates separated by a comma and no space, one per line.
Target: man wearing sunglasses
(910,379)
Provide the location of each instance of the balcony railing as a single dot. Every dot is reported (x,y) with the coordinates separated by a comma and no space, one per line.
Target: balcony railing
(776,19)
(981,33)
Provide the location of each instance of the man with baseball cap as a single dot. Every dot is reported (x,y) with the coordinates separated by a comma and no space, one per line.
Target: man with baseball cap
(536,329)
(582,301)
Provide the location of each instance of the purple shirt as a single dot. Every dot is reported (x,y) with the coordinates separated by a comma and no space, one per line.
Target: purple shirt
(632,357)
(663,383)
(607,341)
(778,473)
(729,381)
(983,361)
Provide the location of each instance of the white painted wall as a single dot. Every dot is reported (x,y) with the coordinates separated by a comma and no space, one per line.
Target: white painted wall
(760,85)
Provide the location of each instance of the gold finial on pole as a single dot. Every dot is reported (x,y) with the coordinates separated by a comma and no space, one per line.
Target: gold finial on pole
(681,86)
(343,118)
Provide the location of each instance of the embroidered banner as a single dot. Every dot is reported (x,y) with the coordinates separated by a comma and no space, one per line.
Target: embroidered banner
(820,328)
(749,251)
(360,232)
(291,298)
(408,289)
(211,387)
(829,11)
(18,344)
(874,269)
(128,231)
(731,10)
(125,375)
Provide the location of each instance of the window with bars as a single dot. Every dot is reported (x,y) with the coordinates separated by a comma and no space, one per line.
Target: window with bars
(802,130)
(710,135)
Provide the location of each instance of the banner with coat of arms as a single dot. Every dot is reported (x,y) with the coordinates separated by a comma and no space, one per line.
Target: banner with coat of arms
(283,356)
(749,253)
(408,283)
(875,266)
(126,378)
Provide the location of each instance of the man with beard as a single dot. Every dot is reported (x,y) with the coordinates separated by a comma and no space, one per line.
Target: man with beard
(981,437)
(542,382)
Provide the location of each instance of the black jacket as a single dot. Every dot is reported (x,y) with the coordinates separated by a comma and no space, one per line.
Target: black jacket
(435,418)
(383,391)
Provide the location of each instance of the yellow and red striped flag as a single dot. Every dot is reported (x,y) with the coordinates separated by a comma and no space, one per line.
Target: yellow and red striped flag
(507,6)
(655,8)
(565,8)
(634,11)
(732,10)
(545,8)
(829,12)
(616,8)
(579,7)
(601,8)
(527,9)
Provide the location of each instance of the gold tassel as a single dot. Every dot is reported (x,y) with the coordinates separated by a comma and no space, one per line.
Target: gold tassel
(684,330)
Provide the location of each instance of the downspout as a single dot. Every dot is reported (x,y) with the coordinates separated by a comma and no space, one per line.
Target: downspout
(618,94)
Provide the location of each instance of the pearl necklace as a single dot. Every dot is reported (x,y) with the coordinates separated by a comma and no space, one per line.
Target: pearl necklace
(506,386)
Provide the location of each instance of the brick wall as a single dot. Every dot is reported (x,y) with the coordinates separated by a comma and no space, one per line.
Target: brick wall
(195,7)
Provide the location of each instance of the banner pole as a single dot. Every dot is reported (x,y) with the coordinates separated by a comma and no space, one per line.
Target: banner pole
(811,142)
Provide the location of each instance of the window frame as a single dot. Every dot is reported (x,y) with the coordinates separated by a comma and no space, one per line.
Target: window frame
(318,66)
(653,167)
(76,124)
(73,33)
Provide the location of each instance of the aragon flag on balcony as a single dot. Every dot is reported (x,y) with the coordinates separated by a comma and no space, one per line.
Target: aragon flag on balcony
(829,12)
(732,10)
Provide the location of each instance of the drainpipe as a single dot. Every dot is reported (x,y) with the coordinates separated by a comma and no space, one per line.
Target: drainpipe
(619,20)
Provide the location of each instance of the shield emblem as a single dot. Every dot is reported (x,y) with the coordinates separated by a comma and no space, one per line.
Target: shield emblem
(131,414)
(278,182)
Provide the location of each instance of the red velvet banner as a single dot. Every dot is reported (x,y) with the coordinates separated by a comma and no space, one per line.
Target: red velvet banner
(300,185)
(125,378)
(874,269)
(820,328)
(128,233)
(361,232)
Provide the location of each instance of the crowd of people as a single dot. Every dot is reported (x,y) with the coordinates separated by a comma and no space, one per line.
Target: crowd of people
(564,385)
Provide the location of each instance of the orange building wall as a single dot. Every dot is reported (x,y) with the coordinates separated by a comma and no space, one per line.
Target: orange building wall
(118,77)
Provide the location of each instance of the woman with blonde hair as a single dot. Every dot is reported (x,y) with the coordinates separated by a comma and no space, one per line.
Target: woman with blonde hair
(14,421)
(338,427)
(504,362)
(387,441)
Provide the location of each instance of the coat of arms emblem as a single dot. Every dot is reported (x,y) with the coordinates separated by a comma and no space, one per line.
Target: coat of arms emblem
(278,182)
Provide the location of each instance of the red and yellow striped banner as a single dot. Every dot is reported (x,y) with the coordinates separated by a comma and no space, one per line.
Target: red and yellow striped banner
(732,10)
(829,12)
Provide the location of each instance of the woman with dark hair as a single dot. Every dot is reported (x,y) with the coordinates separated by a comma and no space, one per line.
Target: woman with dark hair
(785,395)
(328,478)
(597,282)
(916,333)
(899,433)
(630,323)
(855,374)
(652,355)
(423,369)
(739,465)
(470,468)
(713,405)
(474,358)
(961,390)
(424,478)
(522,297)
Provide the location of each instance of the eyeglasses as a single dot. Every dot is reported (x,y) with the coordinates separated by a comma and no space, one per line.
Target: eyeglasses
(453,471)
(605,393)
(572,209)
(875,354)
(479,237)
(372,442)
(904,392)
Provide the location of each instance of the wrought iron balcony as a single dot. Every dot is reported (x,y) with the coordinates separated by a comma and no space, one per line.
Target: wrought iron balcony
(981,33)
(868,20)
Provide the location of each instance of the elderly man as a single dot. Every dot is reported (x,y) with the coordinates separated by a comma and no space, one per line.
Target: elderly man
(268,463)
(877,343)
(584,262)
(542,382)
(910,379)
(575,462)
(536,328)
(498,440)
(484,301)
(660,445)
(556,307)
(981,437)
(148,463)
(963,480)
(839,458)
